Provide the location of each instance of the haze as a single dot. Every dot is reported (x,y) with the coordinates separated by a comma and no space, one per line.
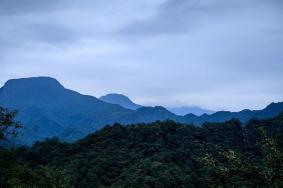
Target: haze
(216,54)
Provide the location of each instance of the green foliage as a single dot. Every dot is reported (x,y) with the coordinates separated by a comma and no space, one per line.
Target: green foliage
(16,175)
(8,126)
(273,160)
(160,154)
(229,169)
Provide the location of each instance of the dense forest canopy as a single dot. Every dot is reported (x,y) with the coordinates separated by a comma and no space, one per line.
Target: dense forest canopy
(159,154)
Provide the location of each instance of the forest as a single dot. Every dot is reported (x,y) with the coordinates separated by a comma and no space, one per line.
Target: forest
(159,154)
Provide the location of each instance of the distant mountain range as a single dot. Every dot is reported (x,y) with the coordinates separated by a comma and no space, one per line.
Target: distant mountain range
(48,109)
(125,102)
(183,110)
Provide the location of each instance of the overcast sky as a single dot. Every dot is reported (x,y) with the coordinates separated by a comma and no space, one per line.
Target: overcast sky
(217,54)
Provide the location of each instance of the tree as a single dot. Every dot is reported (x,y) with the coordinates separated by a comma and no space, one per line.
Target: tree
(8,126)
(273,159)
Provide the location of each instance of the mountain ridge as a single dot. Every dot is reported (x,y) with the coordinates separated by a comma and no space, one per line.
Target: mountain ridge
(126,102)
(184,110)
(46,108)
(120,99)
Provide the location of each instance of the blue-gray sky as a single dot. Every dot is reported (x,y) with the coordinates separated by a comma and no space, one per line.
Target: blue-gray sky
(217,54)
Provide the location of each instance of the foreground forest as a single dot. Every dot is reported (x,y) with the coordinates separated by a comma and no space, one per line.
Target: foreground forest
(160,154)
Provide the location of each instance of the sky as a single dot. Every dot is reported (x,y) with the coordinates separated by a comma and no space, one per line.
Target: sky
(216,54)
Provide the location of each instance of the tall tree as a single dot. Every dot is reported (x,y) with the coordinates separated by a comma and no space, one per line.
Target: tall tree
(8,125)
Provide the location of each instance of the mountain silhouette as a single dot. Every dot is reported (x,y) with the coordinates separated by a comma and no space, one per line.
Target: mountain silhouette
(47,109)
(183,110)
(121,100)
(126,102)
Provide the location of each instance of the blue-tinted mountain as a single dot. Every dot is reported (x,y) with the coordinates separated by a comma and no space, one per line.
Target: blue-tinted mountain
(270,111)
(47,109)
(121,100)
(147,115)
(126,102)
(183,110)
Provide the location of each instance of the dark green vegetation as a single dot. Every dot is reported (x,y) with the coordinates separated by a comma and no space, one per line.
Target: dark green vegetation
(47,109)
(8,125)
(14,174)
(160,154)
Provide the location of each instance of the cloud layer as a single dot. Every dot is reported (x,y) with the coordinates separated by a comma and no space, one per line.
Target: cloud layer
(211,53)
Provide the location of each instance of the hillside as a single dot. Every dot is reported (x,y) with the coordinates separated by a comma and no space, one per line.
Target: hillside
(48,109)
(166,154)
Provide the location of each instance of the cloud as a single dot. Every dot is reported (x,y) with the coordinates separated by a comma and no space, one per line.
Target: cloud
(184,16)
(10,7)
(60,21)
(213,53)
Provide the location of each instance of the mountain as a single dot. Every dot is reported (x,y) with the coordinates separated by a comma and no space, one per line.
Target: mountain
(47,109)
(183,110)
(270,111)
(121,100)
(147,115)
(125,102)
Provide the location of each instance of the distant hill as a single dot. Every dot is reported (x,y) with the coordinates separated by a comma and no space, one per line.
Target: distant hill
(183,110)
(48,109)
(121,100)
(126,102)
(270,111)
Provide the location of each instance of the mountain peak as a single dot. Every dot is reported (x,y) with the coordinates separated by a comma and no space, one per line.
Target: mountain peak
(117,95)
(28,88)
(120,99)
(33,81)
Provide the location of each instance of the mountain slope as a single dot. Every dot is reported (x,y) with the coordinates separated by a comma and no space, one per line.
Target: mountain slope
(121,100)
(47,109)
(147,115)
